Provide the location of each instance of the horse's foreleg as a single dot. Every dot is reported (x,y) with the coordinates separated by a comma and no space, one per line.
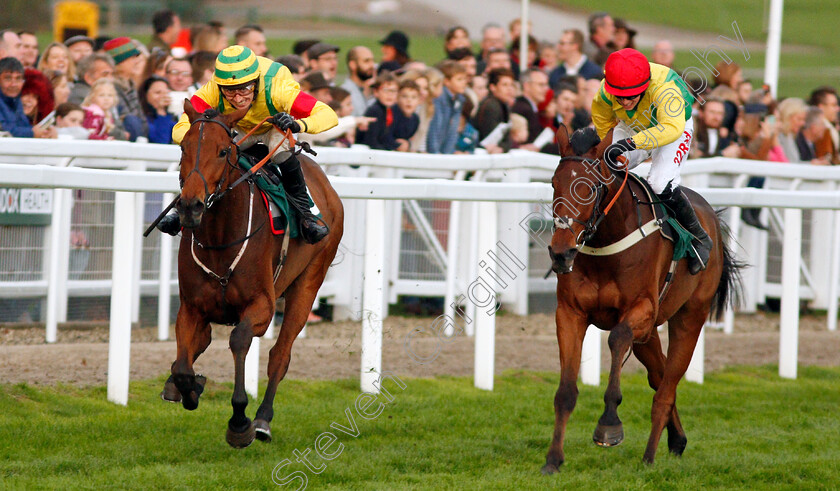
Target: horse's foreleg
(570,333)
(240,431)
(192,336)
(299,298)
(609,431)
(683,330)
(651,356)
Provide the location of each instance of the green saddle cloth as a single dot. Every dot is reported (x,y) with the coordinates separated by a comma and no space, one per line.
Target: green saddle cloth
(682,243)
(674,231)
(277,194)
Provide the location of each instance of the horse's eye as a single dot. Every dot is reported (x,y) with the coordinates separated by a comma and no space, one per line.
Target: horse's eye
(223,153)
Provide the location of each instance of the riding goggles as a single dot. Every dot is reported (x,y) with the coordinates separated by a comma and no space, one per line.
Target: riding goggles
(242,90)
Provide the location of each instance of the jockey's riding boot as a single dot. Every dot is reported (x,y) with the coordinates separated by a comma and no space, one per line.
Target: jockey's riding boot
(684,213)
(170,224)
(295,186)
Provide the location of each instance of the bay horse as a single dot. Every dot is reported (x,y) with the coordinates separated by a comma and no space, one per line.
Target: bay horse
(237,284)
(620,292)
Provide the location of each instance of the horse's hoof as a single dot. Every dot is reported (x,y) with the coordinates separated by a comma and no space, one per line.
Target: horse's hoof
(170,391)
(549,469)
(200,382)
(263,430)
(190,402)
(608,436)
(676,444)
(241,439)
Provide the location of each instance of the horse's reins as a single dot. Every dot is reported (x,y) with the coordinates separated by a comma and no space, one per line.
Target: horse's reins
(218,195)
(591,225)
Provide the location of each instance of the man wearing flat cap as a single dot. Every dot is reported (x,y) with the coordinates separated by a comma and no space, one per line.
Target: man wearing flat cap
(394,52)
(323,57)
(79,47)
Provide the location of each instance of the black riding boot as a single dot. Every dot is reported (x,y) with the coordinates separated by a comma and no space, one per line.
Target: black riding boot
(684,213)
(292,178)
(170,224)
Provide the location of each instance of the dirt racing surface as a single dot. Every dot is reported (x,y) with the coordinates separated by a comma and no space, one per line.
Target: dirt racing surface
(332,350)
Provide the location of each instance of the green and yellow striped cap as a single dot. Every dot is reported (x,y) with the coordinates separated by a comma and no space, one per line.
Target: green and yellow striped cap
(236,65)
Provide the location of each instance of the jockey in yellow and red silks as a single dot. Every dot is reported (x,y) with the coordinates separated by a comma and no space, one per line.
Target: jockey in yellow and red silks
(648,107)
(242,79)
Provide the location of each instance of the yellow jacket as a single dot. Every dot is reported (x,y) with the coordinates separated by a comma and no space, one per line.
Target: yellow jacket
(660,116)
(285,96)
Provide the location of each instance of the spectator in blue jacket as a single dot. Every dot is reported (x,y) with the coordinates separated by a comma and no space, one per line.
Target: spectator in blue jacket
(444,126)
(380,133)
(12,117)
(573,61)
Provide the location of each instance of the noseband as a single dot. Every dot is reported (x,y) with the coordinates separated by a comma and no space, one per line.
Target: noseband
(590,226)
(216,195)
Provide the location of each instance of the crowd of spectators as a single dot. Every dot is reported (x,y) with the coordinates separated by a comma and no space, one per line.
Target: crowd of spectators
(469,102)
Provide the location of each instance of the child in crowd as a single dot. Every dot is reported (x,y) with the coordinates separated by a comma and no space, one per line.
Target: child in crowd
(418,141)
(518,130)
(100,109)
(380,133)
(443,128)
(344,133)
(68,121)
(406,120)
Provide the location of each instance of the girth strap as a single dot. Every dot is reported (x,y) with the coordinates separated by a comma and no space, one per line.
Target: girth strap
(625,243)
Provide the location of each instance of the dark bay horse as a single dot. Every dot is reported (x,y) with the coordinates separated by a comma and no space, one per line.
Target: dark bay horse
(231,226)
(620,293)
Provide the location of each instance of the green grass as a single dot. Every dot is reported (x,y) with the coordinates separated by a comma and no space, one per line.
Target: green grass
(805,23)
(746,429)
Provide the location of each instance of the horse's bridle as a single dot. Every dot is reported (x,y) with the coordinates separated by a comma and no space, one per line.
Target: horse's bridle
(590,226)
(218,193)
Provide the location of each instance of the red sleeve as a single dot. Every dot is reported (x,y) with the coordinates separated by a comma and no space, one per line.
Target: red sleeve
(302,107)
(199,104)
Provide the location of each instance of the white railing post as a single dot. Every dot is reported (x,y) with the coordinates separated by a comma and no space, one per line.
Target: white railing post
(485,317)
(252,369)
(590,357)
(59,262)
(373,300)
(697,364)
(122,296)
(165,275)
(789,330)
(835,273)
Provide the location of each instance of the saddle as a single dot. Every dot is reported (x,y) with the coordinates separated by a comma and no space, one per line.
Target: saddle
(670,228)
(273,194)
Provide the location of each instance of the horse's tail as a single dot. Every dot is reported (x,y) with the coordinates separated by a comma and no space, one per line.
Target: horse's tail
(731,286)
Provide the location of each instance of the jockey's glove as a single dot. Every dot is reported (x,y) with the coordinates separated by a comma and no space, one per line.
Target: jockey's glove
(614,151)
(285,121)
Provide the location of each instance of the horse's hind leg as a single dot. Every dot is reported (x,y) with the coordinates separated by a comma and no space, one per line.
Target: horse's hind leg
(192,335)
(299,298)
(651,356)
(683,330)
(255,317)
(570,333)
(609,431)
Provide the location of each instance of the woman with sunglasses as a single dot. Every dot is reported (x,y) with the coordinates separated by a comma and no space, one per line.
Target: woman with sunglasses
(244,80)
(648,106)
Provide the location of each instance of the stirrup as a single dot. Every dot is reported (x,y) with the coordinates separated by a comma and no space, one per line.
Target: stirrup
(312,231)
(695,262)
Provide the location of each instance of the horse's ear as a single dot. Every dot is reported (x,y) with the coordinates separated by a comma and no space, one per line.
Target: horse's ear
(234,117)
(605,142)
(190,111)
(562,137)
